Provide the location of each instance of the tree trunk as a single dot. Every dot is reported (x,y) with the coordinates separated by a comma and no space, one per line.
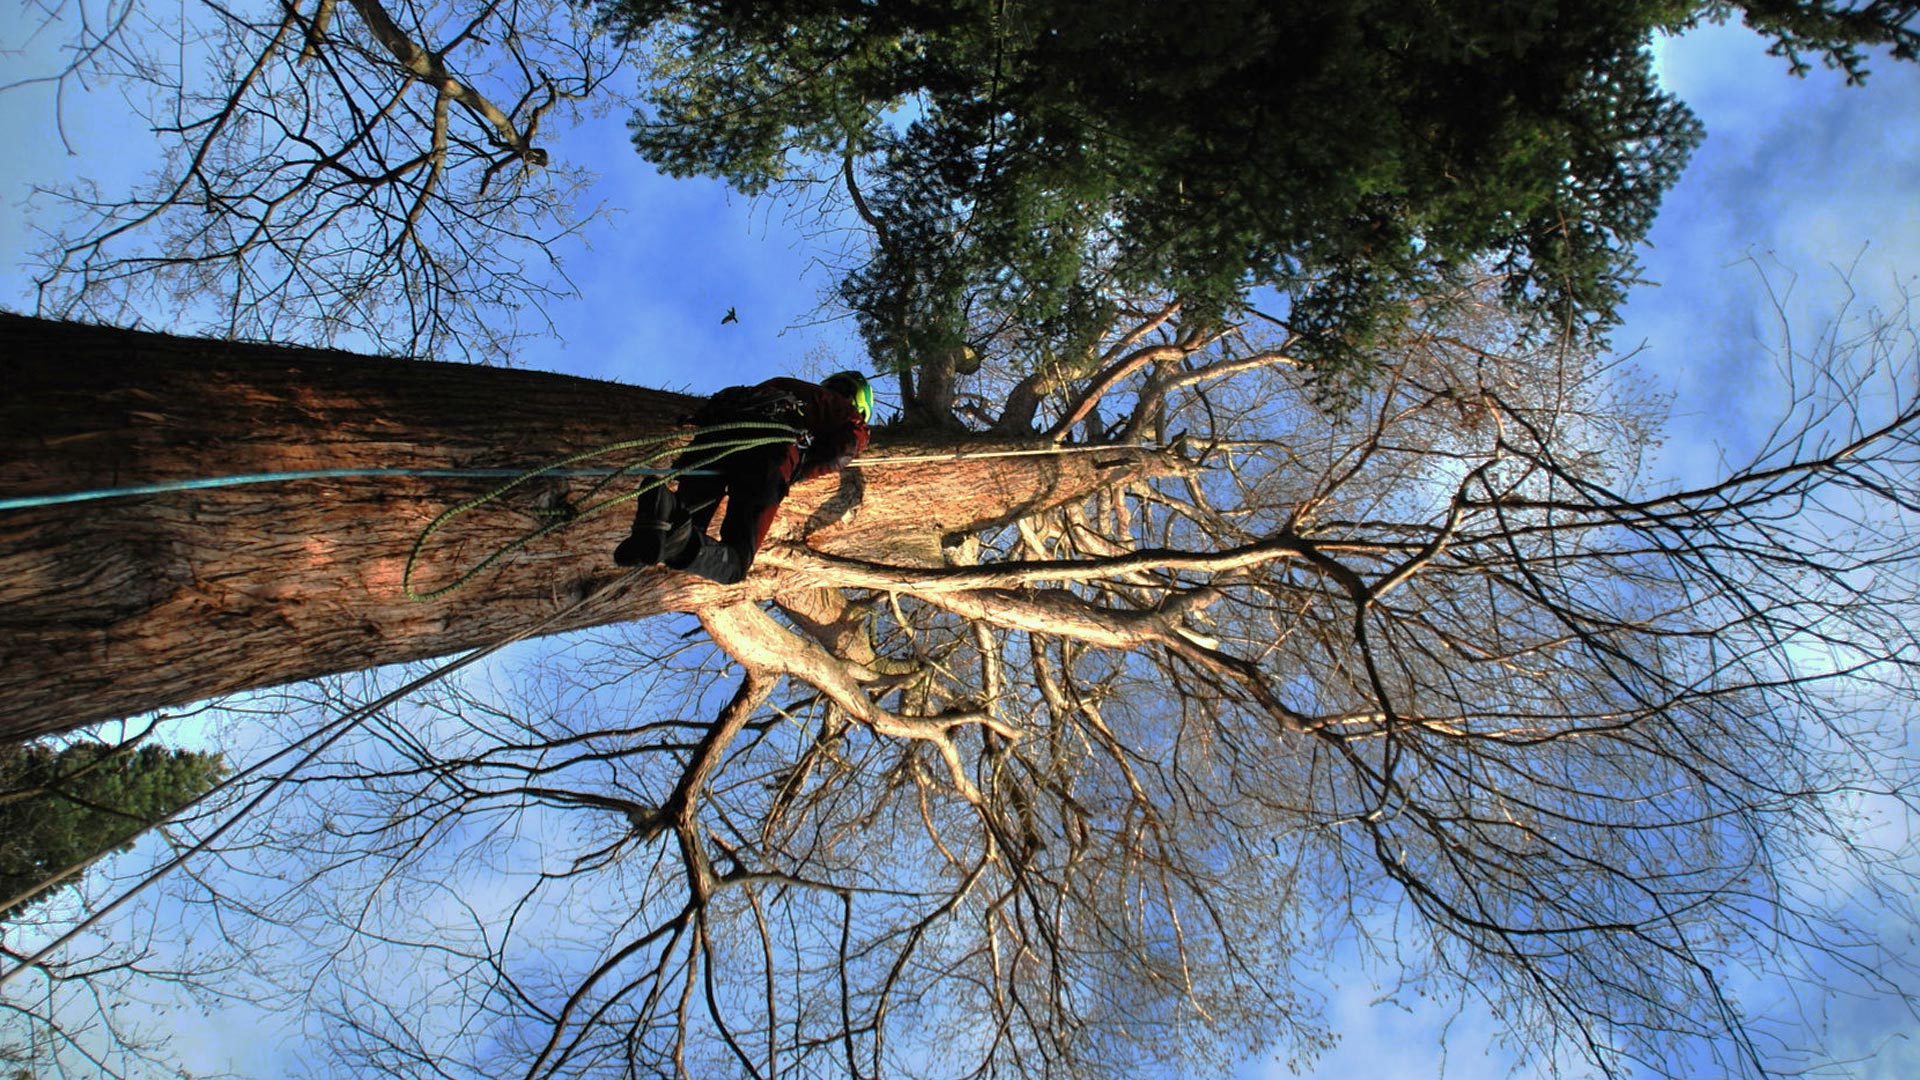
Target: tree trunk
(124,605)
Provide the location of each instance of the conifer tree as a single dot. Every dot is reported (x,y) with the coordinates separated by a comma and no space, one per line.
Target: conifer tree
(62,807)
(1038,159)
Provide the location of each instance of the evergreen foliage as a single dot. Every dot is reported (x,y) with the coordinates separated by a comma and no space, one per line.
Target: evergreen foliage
(63,806)
(1033,159)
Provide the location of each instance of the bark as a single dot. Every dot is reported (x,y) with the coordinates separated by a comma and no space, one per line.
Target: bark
(113,607)
(841,625)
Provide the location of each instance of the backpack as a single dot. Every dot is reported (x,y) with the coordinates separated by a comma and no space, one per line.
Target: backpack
(736,403)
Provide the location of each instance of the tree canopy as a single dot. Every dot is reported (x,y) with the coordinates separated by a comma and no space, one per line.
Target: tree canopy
(383,177)
(1039,159)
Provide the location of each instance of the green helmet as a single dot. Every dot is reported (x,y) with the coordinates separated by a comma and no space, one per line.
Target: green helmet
(855,388)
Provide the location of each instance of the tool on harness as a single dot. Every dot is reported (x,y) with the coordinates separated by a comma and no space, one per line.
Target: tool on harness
(750,404)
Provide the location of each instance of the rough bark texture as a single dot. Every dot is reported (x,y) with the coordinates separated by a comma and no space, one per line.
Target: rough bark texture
(113,607)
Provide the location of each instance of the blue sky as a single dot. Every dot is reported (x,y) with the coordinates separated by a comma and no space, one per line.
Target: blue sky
(1799,180)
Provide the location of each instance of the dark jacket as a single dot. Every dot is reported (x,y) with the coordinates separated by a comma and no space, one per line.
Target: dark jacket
(836,434)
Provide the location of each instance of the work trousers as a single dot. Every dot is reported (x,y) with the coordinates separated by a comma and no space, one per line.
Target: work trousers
(753,481)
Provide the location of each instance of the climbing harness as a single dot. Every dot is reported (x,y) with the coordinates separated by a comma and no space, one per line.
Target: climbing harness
(750,403)
(748,434)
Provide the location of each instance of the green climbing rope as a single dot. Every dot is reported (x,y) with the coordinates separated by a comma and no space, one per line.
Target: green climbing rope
(765,433)
(203,483)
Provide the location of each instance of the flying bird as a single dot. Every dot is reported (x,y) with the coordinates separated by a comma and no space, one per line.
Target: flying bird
(732,315)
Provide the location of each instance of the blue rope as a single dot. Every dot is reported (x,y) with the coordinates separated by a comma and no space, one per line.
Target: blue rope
(26,502)
(742,435)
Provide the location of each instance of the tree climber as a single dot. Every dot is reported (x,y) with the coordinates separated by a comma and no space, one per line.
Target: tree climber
(671,528)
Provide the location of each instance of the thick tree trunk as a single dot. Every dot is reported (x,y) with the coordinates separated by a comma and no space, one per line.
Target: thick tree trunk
(113,607)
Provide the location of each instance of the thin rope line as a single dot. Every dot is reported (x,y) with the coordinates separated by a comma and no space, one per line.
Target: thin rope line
(353,719)
(345,723)
(27,502)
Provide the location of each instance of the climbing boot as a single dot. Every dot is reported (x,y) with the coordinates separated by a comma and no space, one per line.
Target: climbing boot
(659,526)
(716,562)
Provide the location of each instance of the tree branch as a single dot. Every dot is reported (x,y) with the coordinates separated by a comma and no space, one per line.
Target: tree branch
(428,67)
